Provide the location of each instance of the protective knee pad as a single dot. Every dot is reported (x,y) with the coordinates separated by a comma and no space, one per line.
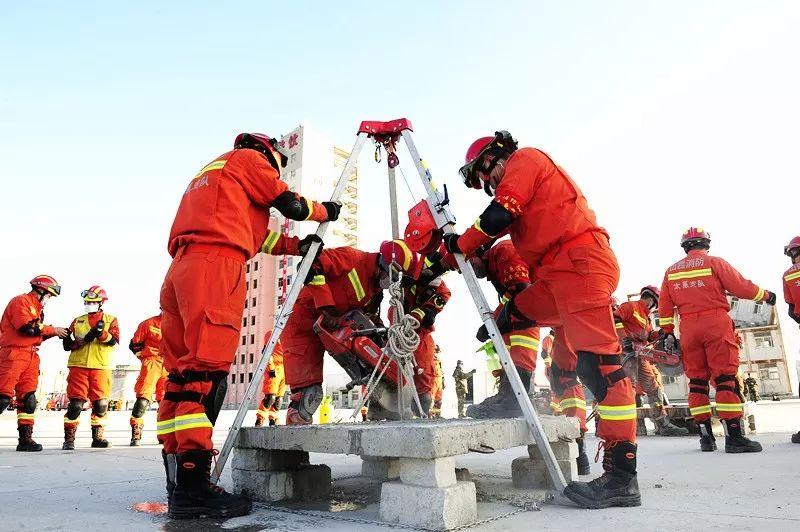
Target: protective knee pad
(213,401)
(74,409)
(589,373)
(100,407)
(306,401)
(140,407)
(268,401)
(699,386)
(4,402)
(29,403)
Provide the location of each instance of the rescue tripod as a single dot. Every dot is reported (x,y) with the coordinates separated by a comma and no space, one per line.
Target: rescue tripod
(387,134)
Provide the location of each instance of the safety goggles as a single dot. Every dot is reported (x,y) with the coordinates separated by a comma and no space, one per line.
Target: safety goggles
(91,295)
(55,289)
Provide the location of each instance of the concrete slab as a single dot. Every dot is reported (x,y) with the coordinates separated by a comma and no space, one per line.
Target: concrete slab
(428,507)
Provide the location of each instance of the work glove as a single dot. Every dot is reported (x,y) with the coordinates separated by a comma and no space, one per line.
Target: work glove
(428,317)
(450,241)
(305,245)
(330,322)
(333,209)
(771,298)
(272,374)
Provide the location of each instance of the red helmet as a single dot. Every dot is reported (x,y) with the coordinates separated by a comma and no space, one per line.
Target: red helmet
(398,253)
(45,283)
(650,291)
(792,249)
(94,294)
(265,144)
(695,234)
(502,143)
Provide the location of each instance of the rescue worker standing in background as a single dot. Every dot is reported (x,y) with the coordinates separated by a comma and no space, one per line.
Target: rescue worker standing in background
(273,386)
(636,329)
(791,290)
(546,354)
(438,384)
(697,287)
(460,377)
(22,331)
(222,222)
(341,279)
(92,340)
(575,272)
(152,374)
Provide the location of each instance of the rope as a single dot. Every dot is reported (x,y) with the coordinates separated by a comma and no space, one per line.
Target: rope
(402,335)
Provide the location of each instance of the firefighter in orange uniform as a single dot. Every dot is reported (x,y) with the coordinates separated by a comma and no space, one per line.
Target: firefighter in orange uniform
(438,385)
(425,302)
(22,331)
(222,222)
(341,279)
(697,287)
(791,290)
(546,354)
(273,386)
(152,374)
(92,340)
(635,329)
(556,234)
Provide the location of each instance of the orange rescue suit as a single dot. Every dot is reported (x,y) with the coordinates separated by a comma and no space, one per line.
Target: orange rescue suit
(274,383)
(575,272)
(791,290)
(19,358)
(696,287)
(633,321)
(152,375)
(345,279)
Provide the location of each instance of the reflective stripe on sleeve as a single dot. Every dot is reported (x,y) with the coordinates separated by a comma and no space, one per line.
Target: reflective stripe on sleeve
(356,282)
(689,274)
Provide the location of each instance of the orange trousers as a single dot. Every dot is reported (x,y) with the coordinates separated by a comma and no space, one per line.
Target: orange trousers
(88,384)
(708,342)
(425,375)
(273,386)
(303,352)
(522,356)
(572,292)
(202,300)
(571,400)
(152,379)
(19,376)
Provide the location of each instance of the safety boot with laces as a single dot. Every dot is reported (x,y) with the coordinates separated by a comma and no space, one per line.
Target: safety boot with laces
(616,487)
(136,435)
(98,441)
(503,404)
(195,496)
(707,441)
(69,437)
(259,421)
(735,442)
(26,443)
(665,427)
(796,437)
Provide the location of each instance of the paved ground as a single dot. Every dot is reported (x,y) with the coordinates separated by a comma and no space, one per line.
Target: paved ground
(91,489)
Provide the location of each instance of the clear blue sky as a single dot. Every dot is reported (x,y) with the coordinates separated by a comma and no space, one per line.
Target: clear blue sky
(667,114)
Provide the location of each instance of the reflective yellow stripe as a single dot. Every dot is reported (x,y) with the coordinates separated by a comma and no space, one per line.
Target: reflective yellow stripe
(418,312)
(428,262)
(406,254)
(573,402)
(25,416)
(729,407)
(98,421)
(317,280)
(356,282)
(697,410)
(618,325)
(216,165)
(310,205)
(617,413)
(666,320)
(519,340)
(504,300)
(640,319)
(792,276)
(689,274)
(477,225)
(759,295)
(185,422)
(155,330)
(270,241)
(68,421)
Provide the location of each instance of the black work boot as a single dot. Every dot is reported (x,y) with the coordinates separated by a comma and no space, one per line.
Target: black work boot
(136,435)
(26,443)
(69,437)
(195,497)
(617,487)
(735,442)
(582,460)
(664,427)
(259,421)
(170,465)
(503,404)
(707,441)
(98,442)
(796,437)
(273,421)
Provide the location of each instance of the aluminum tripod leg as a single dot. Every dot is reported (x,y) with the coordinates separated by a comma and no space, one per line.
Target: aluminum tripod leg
(283,316)
(445,220)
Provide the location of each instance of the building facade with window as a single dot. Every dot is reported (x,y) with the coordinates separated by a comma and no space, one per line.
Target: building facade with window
(313,169)
(762,353)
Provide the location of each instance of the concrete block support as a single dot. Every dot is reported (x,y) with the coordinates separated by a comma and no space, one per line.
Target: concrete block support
(380,467)
(530,471)
(428,507)
(270,475)
(436,473)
